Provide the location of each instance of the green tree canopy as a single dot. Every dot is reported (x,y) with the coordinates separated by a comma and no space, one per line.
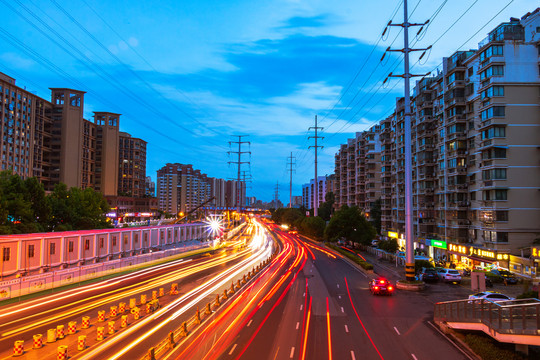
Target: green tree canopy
(375,215)
(350,224)
(312,226)
(325,209)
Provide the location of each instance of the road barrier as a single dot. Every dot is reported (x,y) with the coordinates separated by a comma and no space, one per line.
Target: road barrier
(136,313)
(100,333)
(18,348)
(174,289)
(143,299)
(154,294)
(161,292)
(111,327)
(38,341)
(51,335)
(132,303)
(101,316)
(61,353)
(72,327)
(85,322)
(81,342)
(124,321)
(121,307)
(113,310)
(60,331)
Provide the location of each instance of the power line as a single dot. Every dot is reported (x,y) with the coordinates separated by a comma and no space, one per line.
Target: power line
(239,163)
(290,165)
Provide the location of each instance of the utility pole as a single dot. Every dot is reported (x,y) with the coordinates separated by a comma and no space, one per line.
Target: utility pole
(290,164)
(239,163)
(276,194)
(409,234)
(316,185)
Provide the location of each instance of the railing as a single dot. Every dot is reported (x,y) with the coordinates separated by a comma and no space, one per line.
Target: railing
(517,317)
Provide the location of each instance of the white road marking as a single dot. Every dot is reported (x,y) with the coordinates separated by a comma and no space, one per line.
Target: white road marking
(395,328)
(292,352)
(338,286)
(346,329)
(342,310)
(339,296)
(234,347)
(297,325)
(249,323)
(352,355)
(414,357)
(301,307)
(304,294)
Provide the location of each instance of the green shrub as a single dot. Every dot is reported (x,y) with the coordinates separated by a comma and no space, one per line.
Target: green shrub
(489,349)
(364,264)
(528,294)
(494,277)
(419,264)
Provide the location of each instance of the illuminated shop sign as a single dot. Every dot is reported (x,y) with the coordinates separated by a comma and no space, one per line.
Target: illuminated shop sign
(481,253)
(438,244)
(535,252)
(393,234)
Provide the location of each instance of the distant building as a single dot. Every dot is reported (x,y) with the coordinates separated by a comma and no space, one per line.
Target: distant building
(308,191)
(132,166)
(150,187)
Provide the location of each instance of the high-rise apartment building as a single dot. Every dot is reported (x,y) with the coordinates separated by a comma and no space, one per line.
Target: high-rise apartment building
(132,166)
(324,183)
(150,187)
(475,140)
(53,142)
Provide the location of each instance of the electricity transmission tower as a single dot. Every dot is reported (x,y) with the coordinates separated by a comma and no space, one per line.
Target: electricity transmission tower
(316,185)
(239,163)
(290,165)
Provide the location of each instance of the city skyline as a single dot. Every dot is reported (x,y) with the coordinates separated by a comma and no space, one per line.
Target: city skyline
(212,75)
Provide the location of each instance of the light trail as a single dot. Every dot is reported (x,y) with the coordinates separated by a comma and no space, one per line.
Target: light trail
(307,331)
(329,332)
(197,294)
(361,323)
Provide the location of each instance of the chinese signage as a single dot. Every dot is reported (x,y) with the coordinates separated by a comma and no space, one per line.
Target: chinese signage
(535,252)
(393,234)
(477,252)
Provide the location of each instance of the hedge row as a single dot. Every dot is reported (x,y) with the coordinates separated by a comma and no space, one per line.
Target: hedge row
(364,264)
(489,349)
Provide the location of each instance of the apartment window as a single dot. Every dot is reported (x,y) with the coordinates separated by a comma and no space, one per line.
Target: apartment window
(86,244)
(136,238)
(501,194)
(494,174)
(501,215)
(496,90)
(30,251)
(52,248)
(6,254)
(495,111)
(494,70)
(494,132)
(114,241)
(70,246)
(491,51)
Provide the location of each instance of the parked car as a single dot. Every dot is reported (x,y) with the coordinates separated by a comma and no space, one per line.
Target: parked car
(381,286)
(506,275)
(428,274)
(449,275)
(490,295)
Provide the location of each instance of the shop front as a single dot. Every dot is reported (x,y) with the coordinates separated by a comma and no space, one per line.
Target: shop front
(471,257)
(436,249)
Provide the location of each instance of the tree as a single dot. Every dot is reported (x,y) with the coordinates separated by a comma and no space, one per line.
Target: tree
(349,223)
(325,209)
(291,216)
(312,226)
(375,215)
(390,246)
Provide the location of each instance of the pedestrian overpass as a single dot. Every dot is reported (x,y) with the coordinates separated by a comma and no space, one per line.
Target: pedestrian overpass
(513,321)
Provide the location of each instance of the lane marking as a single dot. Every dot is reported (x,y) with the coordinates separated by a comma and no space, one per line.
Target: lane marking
(338,286)
(329,331)
(234,347)
(301,307)
(346,329)
(249,323)
(342,310)
(304,295)
(395,328)
(339,296)
(414,357)
(292,352)
(297,325)
(277,351)
(450,340)
(352,355)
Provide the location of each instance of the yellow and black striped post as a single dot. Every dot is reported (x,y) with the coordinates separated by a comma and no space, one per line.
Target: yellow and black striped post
(409,272)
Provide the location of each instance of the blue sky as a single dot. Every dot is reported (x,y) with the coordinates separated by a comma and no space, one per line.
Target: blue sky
(187,76)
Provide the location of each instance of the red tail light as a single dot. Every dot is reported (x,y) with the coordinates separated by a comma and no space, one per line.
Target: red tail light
(376,288)
(390,288)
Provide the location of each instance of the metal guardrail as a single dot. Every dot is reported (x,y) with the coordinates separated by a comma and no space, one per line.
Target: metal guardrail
(517,317)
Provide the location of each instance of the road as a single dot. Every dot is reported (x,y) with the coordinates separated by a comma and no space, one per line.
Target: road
(329,313)
(199,279)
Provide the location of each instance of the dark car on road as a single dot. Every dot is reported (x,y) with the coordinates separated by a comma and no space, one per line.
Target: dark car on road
(506,275)
(428,274)
(381,287)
